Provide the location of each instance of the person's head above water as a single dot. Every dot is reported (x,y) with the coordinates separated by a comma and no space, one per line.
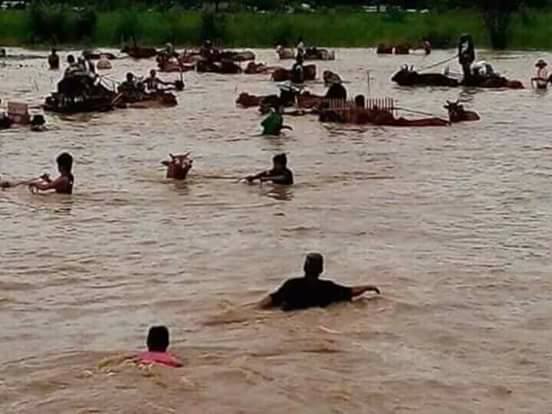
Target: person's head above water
(129,77)
(466,37)
(65,163)
(360,101)
(314,265)
(158,339)
(70,59)
(280,162)
(153,73)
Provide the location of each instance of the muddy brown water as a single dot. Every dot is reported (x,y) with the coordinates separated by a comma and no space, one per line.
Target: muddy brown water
(454,224)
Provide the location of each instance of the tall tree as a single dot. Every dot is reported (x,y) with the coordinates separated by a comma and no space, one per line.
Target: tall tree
(497,15)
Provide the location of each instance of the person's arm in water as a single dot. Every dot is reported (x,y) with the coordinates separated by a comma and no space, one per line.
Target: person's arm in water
(48,184)
(266,303)
(10,184)
(361,290)
(259,176)
(274,178)
(275,299)
(340,293)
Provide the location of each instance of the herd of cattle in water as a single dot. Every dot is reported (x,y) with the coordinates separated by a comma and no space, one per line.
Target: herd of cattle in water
(83,88)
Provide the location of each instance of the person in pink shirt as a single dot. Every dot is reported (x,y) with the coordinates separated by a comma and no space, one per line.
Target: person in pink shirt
(158,343)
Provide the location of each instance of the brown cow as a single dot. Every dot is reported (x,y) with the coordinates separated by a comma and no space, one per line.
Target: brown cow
(178,166)
(384,49)
(282,74)
(137,52)
(246,100)
(457,113)
(254,68)
(402,49)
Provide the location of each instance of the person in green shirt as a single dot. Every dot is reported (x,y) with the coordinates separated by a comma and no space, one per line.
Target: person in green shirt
(274,122)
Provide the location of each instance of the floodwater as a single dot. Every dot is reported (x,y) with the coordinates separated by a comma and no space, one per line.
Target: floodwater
(453,224)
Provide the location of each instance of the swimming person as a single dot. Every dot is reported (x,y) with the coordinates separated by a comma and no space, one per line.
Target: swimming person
(466,55)
(72,67)
(90,67)
(541,79)
(298,71)
(274,122)
(310,292)
(300,48)
(158,343)
(336,91)
(64,183)
(129,85)
(130,88)
(279,174)
(53,60)
(153,82)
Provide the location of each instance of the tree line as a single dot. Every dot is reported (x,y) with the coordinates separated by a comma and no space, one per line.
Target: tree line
(281,4)
(496,14)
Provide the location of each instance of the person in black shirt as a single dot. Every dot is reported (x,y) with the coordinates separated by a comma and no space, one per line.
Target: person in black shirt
(298,71)
(309,291)
(466,55)
(337,91)
(53,60)
(279,174)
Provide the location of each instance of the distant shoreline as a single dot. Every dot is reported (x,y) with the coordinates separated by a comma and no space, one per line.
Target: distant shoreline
(340,29)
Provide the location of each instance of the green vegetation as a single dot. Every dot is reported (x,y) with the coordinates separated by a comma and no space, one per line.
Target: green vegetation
(48,25)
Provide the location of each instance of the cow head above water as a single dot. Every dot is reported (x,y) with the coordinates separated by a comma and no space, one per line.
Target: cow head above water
(178,166)
(457,113)
(404,74)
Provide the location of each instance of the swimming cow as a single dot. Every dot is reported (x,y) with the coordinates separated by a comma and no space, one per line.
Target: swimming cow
(457,113)
(178,166)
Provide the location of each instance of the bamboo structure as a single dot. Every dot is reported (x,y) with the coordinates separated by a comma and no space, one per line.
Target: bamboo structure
(372,104)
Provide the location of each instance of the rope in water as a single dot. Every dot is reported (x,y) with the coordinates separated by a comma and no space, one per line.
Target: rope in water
(438,63)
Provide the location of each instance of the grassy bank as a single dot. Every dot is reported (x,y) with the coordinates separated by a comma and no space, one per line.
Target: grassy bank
(341,29)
